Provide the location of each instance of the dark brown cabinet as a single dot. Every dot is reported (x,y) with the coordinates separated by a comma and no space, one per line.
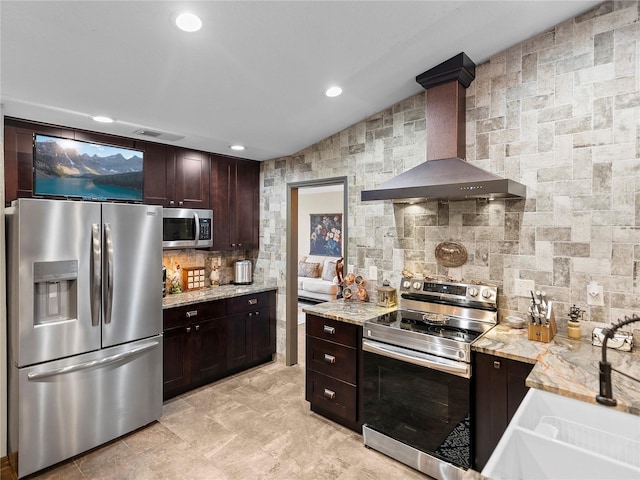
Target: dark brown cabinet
(18,155)
(250,329)
(193,346)
(235,202)
(209,340)
(192,179)
(159,173)
(499,389)
(333,375)
(175,177)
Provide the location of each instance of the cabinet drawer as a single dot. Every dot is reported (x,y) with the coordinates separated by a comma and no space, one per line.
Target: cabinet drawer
(333,396)
(332,359)
(332,330)
(175,317)
(247,303)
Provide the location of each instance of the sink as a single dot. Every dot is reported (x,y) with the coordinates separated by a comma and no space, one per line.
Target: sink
(556,437)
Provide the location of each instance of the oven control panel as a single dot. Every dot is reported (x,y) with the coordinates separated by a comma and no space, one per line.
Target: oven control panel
(451,290)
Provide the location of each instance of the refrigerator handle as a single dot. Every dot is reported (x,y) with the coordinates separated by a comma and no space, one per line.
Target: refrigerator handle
(93,363)
(197,224)
(108,304)
(96,284)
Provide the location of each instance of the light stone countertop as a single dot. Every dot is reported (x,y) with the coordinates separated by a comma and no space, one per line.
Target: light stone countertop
(213,293)
(563,366)
(567,367)
(348,311)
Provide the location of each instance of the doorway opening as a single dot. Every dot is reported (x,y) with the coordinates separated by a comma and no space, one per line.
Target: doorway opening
(294,190)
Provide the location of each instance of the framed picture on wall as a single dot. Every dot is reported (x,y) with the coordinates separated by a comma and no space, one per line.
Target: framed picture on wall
(326,234)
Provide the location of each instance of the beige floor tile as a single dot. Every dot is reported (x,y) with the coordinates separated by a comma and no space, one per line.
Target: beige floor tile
(255,425)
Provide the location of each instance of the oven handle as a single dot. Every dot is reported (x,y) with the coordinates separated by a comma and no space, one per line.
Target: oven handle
(422,360)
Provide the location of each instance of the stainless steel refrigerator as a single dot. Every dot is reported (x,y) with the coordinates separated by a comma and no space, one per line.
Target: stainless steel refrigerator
(84,294)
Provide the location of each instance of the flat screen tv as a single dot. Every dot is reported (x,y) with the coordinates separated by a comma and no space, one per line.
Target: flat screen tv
(68,168)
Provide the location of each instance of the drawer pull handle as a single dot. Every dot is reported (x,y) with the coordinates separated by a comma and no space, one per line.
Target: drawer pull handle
(253,301)
(192,313)
(496,364)
(329,358)
(329,394)
(329,330)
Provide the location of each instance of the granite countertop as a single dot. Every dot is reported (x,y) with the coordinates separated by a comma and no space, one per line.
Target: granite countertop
(348,311)
(213,293)
(563,366)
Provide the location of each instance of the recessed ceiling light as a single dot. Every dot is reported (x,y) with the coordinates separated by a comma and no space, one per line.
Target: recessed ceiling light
(237,147)
(333,91)
(102,119)
(188,22)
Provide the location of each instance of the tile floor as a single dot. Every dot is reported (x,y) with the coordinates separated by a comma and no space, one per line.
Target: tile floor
(254,425)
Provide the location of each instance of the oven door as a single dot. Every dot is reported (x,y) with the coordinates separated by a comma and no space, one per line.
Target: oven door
(407,397)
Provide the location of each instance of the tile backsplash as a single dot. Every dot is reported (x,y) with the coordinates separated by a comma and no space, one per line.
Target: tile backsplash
(207,259)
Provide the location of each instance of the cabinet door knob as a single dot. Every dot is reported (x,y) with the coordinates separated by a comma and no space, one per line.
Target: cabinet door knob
(197,327)
(171,202)
(233,244)
(497,364)
(180,203)
(329,358)
(251,314)
(330,394)
(329,330)
(188,329)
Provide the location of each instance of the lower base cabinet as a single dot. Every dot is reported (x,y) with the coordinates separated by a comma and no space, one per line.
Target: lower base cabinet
(333,370)
(210,340)
(499,385)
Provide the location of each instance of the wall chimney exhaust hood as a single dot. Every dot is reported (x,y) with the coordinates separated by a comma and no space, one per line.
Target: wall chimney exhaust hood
(445,175)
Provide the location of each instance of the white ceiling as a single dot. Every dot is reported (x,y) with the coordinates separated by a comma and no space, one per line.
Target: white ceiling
(255,73)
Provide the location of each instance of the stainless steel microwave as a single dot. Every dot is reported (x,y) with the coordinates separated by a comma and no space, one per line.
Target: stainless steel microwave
(187,228)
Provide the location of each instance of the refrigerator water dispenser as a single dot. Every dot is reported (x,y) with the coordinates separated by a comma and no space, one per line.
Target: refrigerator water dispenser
(55,291)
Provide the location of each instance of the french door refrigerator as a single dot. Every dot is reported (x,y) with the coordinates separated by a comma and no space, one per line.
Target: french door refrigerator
(84,297)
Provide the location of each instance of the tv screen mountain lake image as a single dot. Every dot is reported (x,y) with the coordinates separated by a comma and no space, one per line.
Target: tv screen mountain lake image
(73,168)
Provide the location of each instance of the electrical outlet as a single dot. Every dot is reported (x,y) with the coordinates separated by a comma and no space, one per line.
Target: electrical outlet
(595,294)
(373,272)
(523,288)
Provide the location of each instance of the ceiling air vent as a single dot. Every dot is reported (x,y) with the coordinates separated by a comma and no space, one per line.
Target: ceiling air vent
(160,135)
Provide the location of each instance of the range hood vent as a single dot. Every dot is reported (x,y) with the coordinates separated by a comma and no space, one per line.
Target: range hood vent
(445,178)
(445,175)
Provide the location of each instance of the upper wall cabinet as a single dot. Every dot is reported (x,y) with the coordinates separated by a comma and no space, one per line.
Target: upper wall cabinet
(18,155)
(235,186)
(192,179)
(175,177)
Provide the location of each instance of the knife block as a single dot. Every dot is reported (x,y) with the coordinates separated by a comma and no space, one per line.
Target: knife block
(544,333)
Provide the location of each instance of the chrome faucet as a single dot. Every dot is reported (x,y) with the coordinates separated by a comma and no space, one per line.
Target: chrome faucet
(606,389)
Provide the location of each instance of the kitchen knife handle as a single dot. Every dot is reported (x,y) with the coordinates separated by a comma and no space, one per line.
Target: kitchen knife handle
(108,304)
(96,284)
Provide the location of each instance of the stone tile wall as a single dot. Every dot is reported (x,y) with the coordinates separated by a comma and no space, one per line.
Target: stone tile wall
(560,113)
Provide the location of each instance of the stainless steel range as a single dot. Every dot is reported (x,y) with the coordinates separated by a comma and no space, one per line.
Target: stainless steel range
(417,374)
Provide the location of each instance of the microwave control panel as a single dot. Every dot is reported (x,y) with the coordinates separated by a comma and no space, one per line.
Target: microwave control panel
(205,229)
